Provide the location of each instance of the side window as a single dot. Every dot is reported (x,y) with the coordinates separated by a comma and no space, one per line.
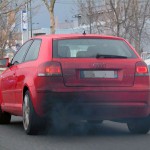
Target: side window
(33,51)
(18,58)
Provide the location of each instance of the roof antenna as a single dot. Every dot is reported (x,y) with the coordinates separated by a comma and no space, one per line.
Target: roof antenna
(84,33)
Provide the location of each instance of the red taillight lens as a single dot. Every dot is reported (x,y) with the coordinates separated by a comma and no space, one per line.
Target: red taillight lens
(50,69)
(53,70)
(141,68)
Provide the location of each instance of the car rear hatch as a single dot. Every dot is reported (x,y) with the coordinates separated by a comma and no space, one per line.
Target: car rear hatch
(84,72)
(89,66)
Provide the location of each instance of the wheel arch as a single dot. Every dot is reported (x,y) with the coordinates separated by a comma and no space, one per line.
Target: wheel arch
(25,89)
(32,93)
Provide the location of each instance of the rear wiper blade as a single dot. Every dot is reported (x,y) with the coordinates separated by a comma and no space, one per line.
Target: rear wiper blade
(110,56)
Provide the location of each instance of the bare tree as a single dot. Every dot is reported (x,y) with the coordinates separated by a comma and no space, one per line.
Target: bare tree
(129,20)
(50,7)
(124,18)
(89,16)
(8,14)
(141,18)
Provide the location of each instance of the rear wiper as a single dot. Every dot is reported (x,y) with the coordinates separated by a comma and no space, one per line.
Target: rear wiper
(110,56)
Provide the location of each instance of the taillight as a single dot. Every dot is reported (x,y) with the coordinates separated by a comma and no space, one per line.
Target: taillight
(50,69)
(141,69)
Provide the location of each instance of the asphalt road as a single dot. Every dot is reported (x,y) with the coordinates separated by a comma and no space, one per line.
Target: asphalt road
(108,136)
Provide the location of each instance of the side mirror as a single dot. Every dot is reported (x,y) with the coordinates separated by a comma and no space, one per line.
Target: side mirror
(4,62)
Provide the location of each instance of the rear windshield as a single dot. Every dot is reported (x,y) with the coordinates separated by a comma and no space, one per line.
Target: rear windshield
(91,48)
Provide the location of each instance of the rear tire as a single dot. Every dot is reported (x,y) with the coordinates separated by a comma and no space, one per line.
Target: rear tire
(31,122)
(4,117)
(139,126)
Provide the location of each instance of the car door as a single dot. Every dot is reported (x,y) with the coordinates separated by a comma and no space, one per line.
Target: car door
(26,71)
(8,83)
(9,78)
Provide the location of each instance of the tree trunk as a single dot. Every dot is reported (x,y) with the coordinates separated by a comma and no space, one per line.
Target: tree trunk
(50,7)
(52,20)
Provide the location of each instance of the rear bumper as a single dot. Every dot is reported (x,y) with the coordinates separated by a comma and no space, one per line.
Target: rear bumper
(93,105)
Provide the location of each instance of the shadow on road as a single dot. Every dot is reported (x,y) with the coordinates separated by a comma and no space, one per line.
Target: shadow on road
(85,129)
(18,125)
(107,128)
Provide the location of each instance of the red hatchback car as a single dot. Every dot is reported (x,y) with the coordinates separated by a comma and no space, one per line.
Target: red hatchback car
(67,78)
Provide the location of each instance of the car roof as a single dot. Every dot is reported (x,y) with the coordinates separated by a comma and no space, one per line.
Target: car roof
(59,36)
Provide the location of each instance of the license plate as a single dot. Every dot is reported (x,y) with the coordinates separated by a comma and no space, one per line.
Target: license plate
(98,74)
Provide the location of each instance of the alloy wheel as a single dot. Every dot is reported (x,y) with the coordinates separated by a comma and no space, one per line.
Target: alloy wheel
(26,112)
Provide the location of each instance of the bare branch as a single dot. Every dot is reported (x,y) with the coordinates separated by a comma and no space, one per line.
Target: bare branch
(50,7)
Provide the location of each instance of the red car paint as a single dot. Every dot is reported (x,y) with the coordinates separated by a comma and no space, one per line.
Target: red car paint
(126,96)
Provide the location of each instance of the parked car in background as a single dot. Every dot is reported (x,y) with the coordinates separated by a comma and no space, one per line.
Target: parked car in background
(68,78)
(7,53)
